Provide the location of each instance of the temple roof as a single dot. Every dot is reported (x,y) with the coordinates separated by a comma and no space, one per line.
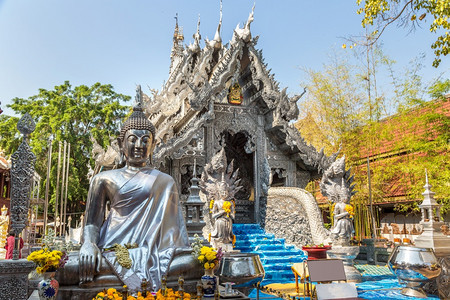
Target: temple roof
(200,78)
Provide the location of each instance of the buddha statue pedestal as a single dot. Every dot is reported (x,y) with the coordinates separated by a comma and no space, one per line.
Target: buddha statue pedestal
(183,264)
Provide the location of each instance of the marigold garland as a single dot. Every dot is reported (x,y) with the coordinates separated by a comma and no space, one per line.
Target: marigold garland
(211,205)
(116,295)
(350,210)
(227,207)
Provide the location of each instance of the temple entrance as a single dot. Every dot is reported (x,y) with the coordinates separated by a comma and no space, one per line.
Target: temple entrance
(235,148)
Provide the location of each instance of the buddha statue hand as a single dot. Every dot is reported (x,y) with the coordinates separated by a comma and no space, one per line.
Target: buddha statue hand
(90,261)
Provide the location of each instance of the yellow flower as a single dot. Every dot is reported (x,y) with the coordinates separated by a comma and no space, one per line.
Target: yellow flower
(350,210)
(205,250)
(206,266)
(210,256)
(201,258)
(111,291)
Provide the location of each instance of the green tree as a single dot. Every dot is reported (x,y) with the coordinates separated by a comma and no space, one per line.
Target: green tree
(67,114)
(333,106)
(401,146)
(409,13)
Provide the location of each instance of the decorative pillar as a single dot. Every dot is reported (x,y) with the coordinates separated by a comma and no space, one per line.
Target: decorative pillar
(22,171)
(194,208)
(432,237)
(14,273)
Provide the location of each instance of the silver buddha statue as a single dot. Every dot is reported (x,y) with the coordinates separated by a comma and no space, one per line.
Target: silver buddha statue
(132,205)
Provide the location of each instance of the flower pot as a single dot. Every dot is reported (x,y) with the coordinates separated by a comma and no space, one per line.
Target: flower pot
(316,252)
(48,286)
(209,283)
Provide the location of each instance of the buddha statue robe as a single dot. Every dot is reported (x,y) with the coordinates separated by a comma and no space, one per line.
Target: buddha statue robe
(145,210)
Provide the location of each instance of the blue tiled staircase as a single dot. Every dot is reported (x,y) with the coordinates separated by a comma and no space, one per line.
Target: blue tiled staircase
(276,257)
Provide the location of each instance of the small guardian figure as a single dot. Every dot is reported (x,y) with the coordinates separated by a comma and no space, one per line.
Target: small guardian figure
(220,184)
(337,185)
(343,212)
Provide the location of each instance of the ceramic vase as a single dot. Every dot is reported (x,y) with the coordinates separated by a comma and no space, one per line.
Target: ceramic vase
(48,287)
(209,283)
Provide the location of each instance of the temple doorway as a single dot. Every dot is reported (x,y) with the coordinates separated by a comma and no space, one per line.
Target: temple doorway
(237,149)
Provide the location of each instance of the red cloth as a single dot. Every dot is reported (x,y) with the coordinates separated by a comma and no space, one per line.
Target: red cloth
(10,247)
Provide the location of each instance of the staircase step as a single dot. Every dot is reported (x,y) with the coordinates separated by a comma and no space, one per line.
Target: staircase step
(281,252)
(276,257)
(246,226)
(281,259)
(271,247)
(256,236)
(260,242)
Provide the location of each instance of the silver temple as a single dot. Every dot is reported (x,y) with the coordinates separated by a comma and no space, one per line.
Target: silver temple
(225,96)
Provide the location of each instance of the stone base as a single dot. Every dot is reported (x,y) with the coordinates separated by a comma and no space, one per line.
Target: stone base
(347,254)
(80,293)
(14,278)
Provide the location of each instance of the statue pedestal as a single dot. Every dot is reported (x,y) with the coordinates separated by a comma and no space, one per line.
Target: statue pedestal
(14,278)
(347,254)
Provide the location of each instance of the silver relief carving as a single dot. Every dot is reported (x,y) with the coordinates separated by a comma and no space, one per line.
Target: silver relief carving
(22,171)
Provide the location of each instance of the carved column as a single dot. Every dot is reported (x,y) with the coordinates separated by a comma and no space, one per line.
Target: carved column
(260,154)
(14,273)
(22,171)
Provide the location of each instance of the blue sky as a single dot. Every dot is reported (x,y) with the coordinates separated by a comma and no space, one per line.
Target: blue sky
(124,43)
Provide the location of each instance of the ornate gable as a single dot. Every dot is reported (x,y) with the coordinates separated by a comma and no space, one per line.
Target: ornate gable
(200,84)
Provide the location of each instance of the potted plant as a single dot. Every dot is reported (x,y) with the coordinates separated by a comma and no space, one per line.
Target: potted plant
(209,258)
(48,262)
(316,251)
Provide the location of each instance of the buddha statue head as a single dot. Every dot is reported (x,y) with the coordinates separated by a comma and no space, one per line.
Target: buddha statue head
(137,136)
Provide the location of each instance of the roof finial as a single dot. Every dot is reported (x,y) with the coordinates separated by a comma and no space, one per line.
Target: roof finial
(198,24)
(195,164)
(197,37)
(217,42)
(426,177)
(138,99)
(220,22)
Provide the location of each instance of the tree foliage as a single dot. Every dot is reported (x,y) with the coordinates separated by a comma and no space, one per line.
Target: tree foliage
(409,13)
(333,106)
(401,145)
(69,114)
